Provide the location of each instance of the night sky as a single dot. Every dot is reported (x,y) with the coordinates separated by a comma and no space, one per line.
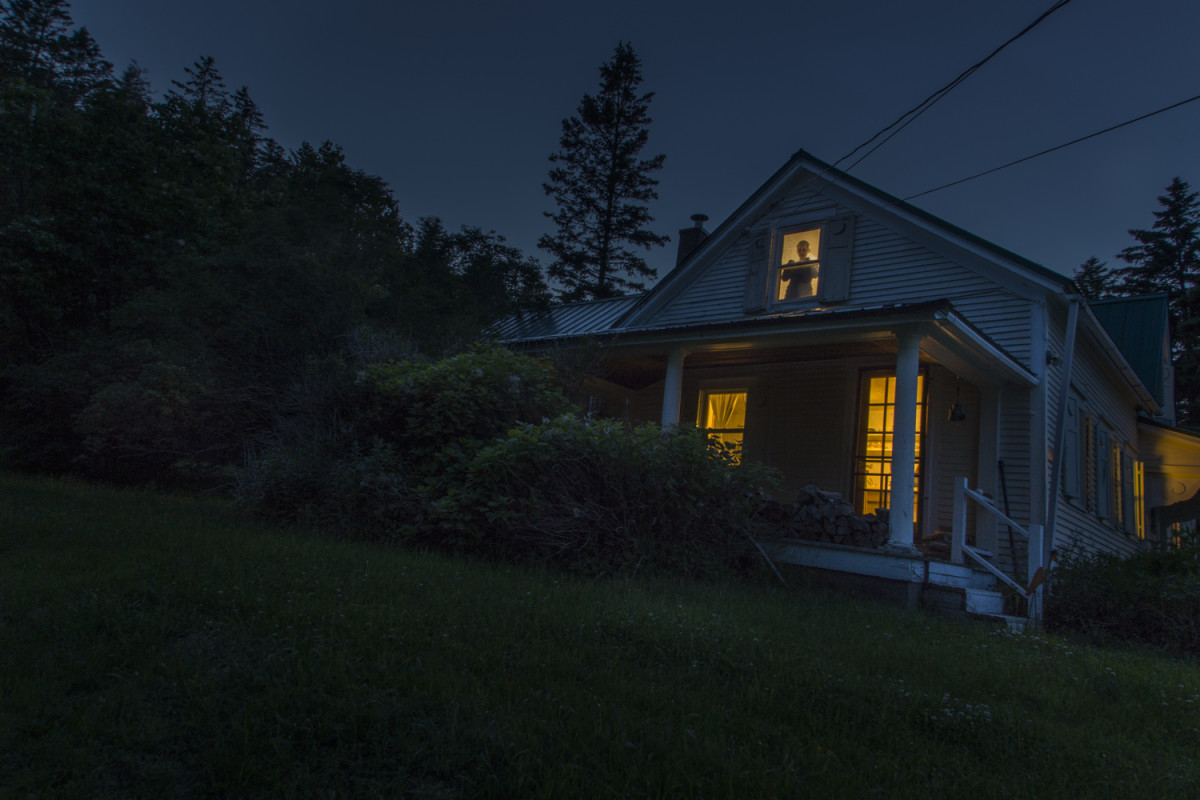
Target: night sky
(457,105)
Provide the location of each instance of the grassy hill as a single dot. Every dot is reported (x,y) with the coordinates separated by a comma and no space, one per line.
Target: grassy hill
(157,646)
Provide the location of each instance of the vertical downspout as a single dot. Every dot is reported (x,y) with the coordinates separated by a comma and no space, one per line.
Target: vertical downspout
(1060,429)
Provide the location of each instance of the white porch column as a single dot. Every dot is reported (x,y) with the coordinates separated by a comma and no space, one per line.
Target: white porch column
(673,387)
(904,441)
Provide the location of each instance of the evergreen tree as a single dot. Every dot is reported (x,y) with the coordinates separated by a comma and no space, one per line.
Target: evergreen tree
(1166,258)
(1094,279)
(601,187)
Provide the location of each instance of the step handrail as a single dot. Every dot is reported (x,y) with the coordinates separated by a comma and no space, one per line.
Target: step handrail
(960,551)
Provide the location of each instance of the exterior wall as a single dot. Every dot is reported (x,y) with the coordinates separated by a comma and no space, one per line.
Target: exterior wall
(950,448)
(1099,392)
(802,417)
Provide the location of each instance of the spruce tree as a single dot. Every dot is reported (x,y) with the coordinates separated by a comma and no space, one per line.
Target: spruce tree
(1094,279)
(1166,258)
(601,186)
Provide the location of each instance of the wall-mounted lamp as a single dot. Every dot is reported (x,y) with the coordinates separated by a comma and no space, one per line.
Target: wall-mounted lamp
(957,413)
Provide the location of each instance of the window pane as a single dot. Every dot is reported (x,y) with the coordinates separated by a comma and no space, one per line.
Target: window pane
(801,247)
(873,464)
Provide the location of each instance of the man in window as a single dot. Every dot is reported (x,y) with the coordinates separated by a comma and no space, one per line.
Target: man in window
(802,252)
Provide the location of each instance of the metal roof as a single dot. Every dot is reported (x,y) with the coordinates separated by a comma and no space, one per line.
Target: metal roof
(574,319)
(1138,327)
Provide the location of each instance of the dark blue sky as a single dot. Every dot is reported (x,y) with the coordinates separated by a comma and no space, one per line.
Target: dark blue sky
(457,105)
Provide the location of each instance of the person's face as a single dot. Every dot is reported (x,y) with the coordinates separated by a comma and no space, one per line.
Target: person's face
(802,248)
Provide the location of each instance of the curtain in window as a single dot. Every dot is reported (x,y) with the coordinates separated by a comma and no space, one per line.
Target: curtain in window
(727,411)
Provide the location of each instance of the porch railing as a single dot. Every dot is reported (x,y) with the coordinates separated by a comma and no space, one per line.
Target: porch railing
(960,551)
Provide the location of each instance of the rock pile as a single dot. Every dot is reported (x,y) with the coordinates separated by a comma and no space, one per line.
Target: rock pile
(822,516)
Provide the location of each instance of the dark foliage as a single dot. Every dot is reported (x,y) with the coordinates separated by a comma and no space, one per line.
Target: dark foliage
(600,498)
(367,455)
(601,186)
(1151,599)
(169,275)
(1094,279)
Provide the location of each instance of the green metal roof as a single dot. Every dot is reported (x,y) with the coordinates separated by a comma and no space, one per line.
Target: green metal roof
(1138,327)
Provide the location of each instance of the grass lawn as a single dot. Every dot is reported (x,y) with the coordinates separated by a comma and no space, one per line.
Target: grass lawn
(155,646)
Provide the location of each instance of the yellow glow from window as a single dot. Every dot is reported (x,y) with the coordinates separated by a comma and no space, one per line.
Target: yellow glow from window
(1139,498)
(723,415)
(799,265)
(873,464)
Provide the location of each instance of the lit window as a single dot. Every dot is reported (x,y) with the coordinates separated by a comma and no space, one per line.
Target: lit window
(799,265)
(1139,498)
(723,417)
(873,461)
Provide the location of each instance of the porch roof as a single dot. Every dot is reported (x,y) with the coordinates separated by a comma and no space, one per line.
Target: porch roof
(948,336)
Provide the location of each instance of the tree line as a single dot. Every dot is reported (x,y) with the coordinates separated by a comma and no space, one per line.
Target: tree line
(175,286)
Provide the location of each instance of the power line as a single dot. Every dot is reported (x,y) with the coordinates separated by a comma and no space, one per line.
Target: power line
(1053,149)
(911,115)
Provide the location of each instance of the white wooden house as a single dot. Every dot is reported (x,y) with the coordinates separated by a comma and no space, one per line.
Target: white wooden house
(860,344)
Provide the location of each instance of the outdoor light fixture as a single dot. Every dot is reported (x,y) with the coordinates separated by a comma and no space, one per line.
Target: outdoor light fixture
(957,414)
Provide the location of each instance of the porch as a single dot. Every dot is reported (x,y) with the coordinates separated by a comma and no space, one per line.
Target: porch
(955,579)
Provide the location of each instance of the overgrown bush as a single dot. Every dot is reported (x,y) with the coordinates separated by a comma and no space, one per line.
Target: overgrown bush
(1152,599)
(392,438)
(601,498)
(438,413)
(358,490)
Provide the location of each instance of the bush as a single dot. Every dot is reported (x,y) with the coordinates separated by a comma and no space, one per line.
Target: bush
(315,481)
(393,439)
(600,498)
(1151,599)
(439,413)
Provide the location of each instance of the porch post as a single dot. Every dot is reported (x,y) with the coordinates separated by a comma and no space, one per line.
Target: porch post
(673,387)
(904,441)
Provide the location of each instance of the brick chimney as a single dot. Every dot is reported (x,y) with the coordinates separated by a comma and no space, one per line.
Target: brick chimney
(691,238)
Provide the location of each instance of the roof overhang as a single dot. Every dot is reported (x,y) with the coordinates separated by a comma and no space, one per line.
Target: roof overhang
(946,337)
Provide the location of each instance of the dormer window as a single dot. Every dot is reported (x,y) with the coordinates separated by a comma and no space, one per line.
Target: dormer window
(799,265)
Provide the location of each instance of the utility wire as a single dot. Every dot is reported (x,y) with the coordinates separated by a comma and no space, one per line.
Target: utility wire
(1053,149)
(909,116)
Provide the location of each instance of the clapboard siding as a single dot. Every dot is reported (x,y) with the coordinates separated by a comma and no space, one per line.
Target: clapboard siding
(718,295)
(956,445)
(1100,395)
(887,269)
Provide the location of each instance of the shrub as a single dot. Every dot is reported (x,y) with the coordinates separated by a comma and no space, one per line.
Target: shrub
(394,438)
(598,497)
(1151,599)
(316,481)
(438,413)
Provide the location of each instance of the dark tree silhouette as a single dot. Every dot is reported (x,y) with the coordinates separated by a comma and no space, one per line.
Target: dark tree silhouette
(601,186)
(1094,279)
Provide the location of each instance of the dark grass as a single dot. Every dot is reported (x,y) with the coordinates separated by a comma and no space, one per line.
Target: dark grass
(157,646)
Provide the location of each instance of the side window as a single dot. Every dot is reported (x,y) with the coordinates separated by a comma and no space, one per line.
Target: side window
(723,417)
(1088,451)
(799,265)
(1070,454)
(1103,475)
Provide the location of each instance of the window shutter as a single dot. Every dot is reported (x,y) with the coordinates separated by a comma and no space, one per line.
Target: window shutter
(1127,504)
(1103,476)
(833,284)
(1070,453)
(757,270)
